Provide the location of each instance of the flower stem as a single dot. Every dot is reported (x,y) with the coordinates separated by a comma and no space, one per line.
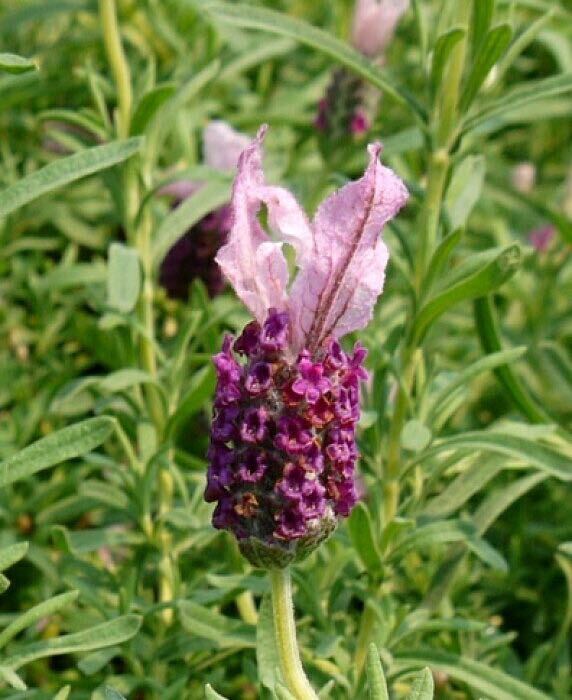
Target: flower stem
(139,235)
(285,635)
(119,65)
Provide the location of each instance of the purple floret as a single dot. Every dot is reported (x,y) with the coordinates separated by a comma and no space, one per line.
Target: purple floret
(274,334)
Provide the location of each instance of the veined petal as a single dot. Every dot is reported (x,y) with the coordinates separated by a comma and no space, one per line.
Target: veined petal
(254,265)
(222,145)
(336,289)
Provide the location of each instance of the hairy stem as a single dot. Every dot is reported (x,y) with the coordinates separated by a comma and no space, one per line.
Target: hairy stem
(285,635)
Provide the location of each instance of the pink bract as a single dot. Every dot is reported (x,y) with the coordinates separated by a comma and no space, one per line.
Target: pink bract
(341,257)
(374,24)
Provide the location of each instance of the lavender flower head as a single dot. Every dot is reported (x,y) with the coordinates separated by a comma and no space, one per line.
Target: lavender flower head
(192,256)
(349,106)
(283,453)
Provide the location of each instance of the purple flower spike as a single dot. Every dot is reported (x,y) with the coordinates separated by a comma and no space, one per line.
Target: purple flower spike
(283,447)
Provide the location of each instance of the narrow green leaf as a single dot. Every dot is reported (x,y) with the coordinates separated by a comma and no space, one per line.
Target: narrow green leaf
(11,63)
(495,268)
(464,190)
(211,694)
(440,258)
(520,97)
(499,500)
(106,634)
(491,49)
(200,389)
(64,171)
(94,662)
(33,615)
(67,276)
(149,105)
(278,23)
(267,659)
(489,334)
(443,47)
(60,446)
(63,694)
(4,583)
(206,623)
(483,11)
(461,489)
(375,675)
(482,678)
(123,278)
(11,554)
(438,402)
(208,198)
(261,53)
(362,536)
(439,532)
(544,458)
(423,686)
(124,379)
(487,554)
(523,41)
(12,678)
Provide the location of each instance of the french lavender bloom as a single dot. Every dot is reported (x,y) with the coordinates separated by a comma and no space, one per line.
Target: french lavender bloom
(283,451)
(349,105)
(192,256)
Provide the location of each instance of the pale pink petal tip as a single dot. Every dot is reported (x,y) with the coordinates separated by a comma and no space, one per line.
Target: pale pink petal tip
(222,145)
(340,254)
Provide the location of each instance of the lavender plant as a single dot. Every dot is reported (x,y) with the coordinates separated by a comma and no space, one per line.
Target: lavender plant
(423,442)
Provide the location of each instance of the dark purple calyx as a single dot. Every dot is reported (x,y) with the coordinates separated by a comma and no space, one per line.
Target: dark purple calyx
(283,452)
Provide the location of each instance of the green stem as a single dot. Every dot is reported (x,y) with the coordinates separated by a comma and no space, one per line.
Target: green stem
(285,635)
(118,63)
(139,235)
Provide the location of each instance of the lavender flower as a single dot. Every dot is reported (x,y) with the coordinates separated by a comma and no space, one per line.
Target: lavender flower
(541,238)
(349,106)
(283,452)
(193,254)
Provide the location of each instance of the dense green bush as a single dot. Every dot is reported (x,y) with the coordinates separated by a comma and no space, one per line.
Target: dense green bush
(458,558)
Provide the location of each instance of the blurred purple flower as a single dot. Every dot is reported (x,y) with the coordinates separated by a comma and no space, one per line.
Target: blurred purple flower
(541,238)
(374,24)
(349,106)
(193,254)
(296,392)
